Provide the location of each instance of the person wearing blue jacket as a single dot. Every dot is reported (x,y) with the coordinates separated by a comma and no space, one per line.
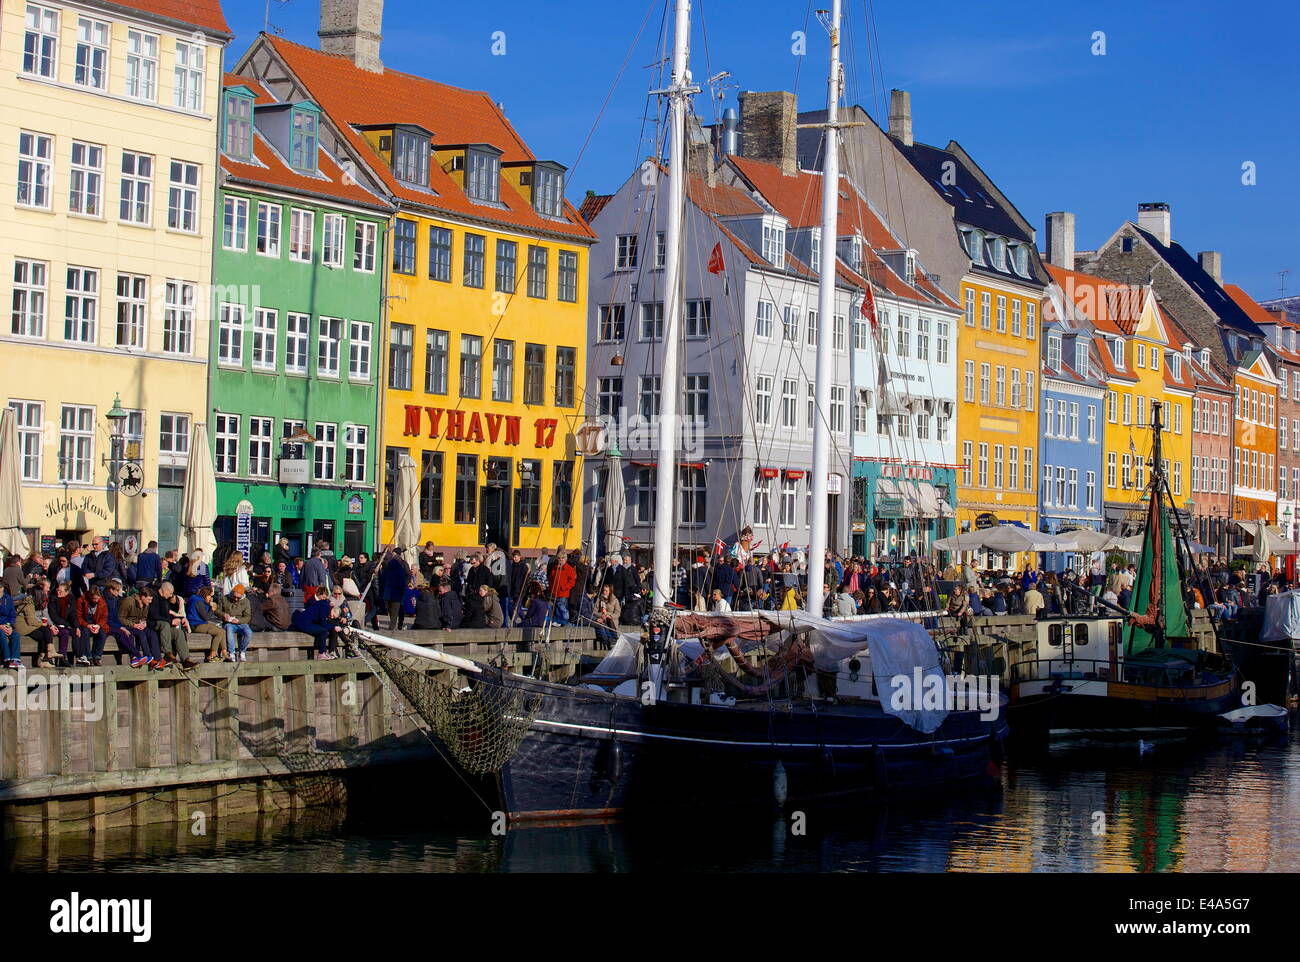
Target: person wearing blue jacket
(392,587)
(148,567)
(204,620)
(537,609)
(314,619)
(10,640)
(126,640)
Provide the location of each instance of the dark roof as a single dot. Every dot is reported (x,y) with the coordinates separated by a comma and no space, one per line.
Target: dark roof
(1290,305)
(970,202)
(1206,287)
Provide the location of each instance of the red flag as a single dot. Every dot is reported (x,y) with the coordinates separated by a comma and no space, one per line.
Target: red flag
(719,546)
(716,265)
(869,306)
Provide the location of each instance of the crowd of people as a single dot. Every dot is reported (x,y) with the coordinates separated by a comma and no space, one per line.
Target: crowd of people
(171,609)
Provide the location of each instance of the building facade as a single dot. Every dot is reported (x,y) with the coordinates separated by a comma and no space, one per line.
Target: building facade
(486,291)
(110,126)
(295,356)
(1254,467)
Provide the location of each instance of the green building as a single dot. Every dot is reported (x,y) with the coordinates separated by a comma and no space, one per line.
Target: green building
(297,312)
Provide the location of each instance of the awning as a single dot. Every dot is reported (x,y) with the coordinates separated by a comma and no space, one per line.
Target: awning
(927,499)
(791,475)
(769,472)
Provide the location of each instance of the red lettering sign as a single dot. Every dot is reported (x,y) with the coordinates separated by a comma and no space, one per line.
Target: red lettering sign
(455,426)
(412,428)
(545,428)
(435,418)
(512,429)
(493,426)
(475,430)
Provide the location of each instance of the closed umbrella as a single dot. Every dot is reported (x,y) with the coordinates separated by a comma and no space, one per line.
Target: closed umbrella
(406,508)
(12,537)
(199,497)
(615,507)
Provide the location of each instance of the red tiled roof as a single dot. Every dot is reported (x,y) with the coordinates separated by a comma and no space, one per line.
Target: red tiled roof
(1203,376)
(197,13)
(1113,308)
(272,171)
(592,205)
(1247,304)
(350,96)
(721,199)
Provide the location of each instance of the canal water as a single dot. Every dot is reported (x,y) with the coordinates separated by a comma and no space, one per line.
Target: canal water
(1232,806)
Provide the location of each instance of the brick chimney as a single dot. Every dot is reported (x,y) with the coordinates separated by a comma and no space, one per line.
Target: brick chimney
(1060,239)
(767,128)
(1154,219)
(900,116)
(1212,263)
(351,28)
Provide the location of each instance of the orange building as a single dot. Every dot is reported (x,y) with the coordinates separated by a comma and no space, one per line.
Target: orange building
(1254,471)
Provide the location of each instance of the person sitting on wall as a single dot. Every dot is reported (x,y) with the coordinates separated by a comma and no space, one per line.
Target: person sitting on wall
(167,614)
(204,620)
(452,610)
(127,639)
(314,619)
(537,608)
(237,613)
(428,610)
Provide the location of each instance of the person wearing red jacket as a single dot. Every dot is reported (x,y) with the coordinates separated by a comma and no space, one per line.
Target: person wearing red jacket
(92,619)
(561,586)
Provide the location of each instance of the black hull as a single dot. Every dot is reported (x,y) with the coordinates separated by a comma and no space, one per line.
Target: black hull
(1067,715)
(591,754)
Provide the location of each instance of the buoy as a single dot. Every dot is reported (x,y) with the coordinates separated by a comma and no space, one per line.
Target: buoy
(780,785)
(614,760)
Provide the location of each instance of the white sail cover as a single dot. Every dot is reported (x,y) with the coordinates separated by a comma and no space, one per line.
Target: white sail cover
(1282,617)
(897,649)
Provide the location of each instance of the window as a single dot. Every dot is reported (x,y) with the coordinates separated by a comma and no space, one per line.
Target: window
(548,192)
(239,125)
(363,247)
(1053,352)
(1001,386)
(922,338)
(268,229)
(812,405)
(1012,467)
(302,148)
(472,276)
(264,335)
(411,158)
(466,506)
(1178,419)
(327,439)
(861,333)
(1178,477)
(187,92)
(329,337)
(76,443)
(537,267)
(296,333)
(1029,469)
(302,228)
(34,169)
(1031,320)
(178,317)
(970,307)
(612,323)
(436,361)
(183,198)
(227,444)
(763,316)
(1074,421)
(431,486)
(773,244)
(968,392)
(788,506)
(503,370)
(230,335)
(132,304)
(29,418)
(1155,358)
(1081,359)
(762,501)
(404,249)
(661,251)
(609,396)
(643,496)
(625,256)
(29,298)
(839,410)
(471,365)
(81,305)
(1049,417)
(1127,473)
(1282,433)
(1002,314)
(1128,409)
(984,384)
(1141,355)
(1110,469)
(691,484)
(790,323)
(562,494)
(1092,423)
(483,176)
(984,465)
(142,65)
(1015,387)
(1111,402)
(1015,317)
(259,447)
(534,373)
(41,42)
(789,403)
(652,321)
(439,252)
(1117,352)
(985,305)
(359,350)
(86,180)
(401,348)
(763,398)
(234,224)
(966,447)
(699,318)
(332,233)
(566,375)
(904,335)
(506,266)
(1029,390)
(648,395)
(567,277)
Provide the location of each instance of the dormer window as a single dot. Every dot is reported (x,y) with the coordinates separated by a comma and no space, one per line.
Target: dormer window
(849,248)
(237,137)
(411,157)
(975,246)
(303,147)
(774,244)
(483,174)
(1081,365)
(815,251)
(1054,352)
(1117,352)
(909,267)
(997,252)
(548,191)
(1176,366)
(1205,357)
(1020,259)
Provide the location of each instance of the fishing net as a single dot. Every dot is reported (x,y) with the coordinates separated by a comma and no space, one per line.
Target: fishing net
(481,725)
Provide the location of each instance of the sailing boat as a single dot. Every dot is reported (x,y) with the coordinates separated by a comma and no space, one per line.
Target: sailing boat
(685,717)
(1129,674)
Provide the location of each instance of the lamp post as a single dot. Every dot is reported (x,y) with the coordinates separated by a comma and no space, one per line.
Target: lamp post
(117,426)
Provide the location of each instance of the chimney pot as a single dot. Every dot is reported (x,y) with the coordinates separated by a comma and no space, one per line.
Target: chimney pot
(1154,219)
(352,29)
(1212,263)
(1060,239)
(900,116)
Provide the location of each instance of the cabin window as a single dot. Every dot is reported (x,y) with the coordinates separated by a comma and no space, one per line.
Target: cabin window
(1080,634)
(1055,635)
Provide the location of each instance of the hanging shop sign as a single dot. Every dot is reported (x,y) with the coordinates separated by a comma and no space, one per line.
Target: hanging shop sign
(294,471)
(834,484)
(891,508)
(244,528)
(986,520)
(355,504)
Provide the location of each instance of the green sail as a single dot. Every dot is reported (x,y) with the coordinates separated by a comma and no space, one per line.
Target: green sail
(1168,589)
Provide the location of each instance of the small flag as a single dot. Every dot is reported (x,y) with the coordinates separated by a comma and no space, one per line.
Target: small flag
(716,264)
(869,305)
(719,546)
(1131,446)
(785,547)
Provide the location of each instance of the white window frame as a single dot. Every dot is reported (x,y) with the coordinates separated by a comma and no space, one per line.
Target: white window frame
(81,305)
(76,443)
(234,223)
(324,462)
(230,335)
(364,247)
(359,350)
(183,197)
(333,232)
(178,317)
(302,229)
(142,50)
(35,170)
(297,337)
(37,22)
(136,306)
(329,346)
(189,76)
(356,441)
(261,440)
(29,421)
(226,444)
(266,323)
(270,223)
(30,298)
(86,181)
(136,194)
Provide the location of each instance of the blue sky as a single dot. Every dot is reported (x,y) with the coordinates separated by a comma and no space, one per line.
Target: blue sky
(1185,94)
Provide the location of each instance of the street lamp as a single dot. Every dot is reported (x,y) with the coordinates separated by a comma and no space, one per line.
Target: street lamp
(117,418)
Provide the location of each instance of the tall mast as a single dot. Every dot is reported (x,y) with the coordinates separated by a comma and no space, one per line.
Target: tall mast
(679,93)
(825,321)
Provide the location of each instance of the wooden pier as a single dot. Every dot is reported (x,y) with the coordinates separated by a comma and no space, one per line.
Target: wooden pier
(270,734)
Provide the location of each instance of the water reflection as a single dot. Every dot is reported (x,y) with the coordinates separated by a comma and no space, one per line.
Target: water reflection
(1229,807)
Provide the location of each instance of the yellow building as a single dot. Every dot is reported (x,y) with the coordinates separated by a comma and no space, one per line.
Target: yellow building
(109,140)
(486,301)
